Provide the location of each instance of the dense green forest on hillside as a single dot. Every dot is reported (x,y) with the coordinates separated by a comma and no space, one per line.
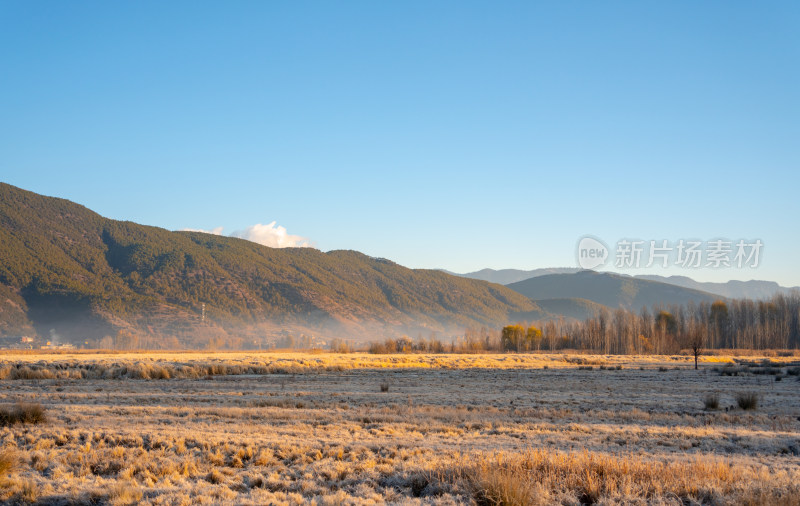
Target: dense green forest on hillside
(68,271)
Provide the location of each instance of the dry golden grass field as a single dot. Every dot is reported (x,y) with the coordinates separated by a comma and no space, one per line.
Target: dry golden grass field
(292,428)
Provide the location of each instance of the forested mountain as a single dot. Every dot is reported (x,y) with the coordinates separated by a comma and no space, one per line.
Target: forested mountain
(67,272)
(611,290)
(559,309)
(574,308)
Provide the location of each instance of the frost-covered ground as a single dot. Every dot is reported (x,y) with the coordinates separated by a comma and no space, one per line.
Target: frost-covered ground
(300,428)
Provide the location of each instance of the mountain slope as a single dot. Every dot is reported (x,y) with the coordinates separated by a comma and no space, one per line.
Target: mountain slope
(578,309)
(68,271)
(608,289)
(555,309)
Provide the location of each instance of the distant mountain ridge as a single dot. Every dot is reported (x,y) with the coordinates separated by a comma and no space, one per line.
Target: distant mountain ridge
(753,289)
(508,276)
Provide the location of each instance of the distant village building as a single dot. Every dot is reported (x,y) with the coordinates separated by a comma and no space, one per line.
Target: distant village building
(57,346)
(17,342)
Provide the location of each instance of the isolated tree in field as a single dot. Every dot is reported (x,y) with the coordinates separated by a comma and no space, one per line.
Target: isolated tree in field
(695,338)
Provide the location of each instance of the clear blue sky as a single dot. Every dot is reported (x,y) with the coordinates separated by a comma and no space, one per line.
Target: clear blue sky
(458,134)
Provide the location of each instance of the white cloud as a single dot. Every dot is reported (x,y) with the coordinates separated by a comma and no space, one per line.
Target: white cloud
(215,231)
(272,235)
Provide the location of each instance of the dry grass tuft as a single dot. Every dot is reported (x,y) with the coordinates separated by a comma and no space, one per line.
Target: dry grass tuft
(27,492)
(15,490)
(123,493)
(29,373)
(711,401)
(545,477)
(747,400)
(215,477)
(32,413)
(8,462)
(502,484)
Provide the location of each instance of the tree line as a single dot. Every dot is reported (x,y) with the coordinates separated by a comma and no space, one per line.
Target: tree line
(731,324)
(734,324)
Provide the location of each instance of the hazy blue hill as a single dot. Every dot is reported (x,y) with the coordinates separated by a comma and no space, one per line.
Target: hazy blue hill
(733,289)
(753,289)
(507,276)
(68,269)
(611,290)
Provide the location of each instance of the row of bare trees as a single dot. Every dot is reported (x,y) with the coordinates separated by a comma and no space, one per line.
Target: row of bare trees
(737,324)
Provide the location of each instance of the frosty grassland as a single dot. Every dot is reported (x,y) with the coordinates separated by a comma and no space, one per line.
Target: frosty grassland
(303,428)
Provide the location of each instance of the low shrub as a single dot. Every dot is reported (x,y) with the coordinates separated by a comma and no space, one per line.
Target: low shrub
(711,401)
(747,400)
(23,412)
(732,370)
(766,370)
(29,373)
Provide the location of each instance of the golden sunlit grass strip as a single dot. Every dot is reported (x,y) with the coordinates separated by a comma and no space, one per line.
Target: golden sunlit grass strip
(198,365)
(542,477)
